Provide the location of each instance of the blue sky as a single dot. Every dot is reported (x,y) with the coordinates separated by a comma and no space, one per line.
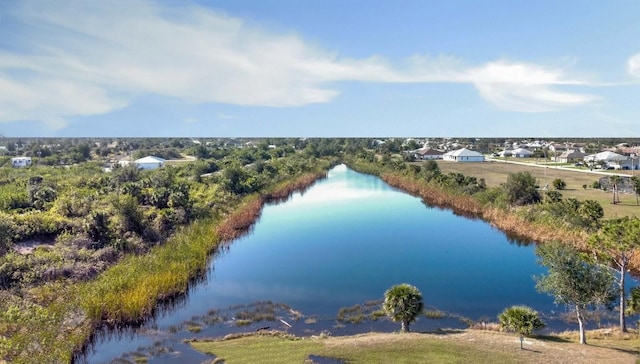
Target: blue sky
(319,68)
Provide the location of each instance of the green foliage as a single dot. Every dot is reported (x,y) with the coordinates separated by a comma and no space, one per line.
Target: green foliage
(239,181)
(552,197)
(521,189)
(635,184)
(7,233)
(618,242)
(96,225)
(591,212)
(559,184)
(466,184)
(403,303)
(633,301)
(573,280)
(521,319)
(130,216)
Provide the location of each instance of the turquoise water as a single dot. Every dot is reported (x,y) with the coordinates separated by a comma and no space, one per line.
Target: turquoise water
(343,242)
(350,237)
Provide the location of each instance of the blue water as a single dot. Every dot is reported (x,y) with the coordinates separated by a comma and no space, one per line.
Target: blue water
(345,241)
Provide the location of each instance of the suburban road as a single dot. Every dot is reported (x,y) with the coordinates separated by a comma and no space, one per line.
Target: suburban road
(607,173)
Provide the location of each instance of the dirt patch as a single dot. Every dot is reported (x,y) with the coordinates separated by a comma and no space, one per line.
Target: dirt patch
(27,247)
(536,350)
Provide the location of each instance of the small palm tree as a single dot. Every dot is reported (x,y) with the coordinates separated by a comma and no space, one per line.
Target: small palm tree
(403,303)
(521,319)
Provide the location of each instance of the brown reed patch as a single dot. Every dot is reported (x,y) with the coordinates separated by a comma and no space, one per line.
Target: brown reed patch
(465,205)
(241,220)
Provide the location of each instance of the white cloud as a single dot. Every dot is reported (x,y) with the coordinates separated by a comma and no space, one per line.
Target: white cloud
(86,58)
(525,87)
(633,65)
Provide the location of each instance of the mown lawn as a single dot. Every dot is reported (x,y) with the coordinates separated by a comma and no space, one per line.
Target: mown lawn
(457,346)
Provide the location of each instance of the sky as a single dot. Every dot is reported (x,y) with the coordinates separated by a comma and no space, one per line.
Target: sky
(319,68)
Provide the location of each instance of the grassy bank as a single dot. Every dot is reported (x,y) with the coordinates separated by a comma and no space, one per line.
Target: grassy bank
(457,346)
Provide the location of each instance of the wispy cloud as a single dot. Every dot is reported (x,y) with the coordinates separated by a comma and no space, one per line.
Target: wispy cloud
(525,87)
(87,58)
(633,65)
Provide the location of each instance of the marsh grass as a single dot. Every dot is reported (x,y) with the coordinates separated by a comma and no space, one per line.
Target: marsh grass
(370,310)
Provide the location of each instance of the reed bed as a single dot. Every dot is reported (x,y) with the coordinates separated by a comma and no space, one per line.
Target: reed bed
(241,220)
(130,290)
(301,184)
(508,221)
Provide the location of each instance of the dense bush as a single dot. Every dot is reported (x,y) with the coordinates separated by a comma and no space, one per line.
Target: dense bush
(521,189)
(521,319)
(559,184)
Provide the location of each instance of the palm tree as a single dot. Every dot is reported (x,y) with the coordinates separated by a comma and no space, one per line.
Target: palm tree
(614,181)
(403,303)
(635,183)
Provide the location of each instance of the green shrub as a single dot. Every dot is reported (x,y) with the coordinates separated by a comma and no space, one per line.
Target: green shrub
(559,184)
(521,319)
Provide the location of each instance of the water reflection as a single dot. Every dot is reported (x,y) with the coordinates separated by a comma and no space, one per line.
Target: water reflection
(342,243)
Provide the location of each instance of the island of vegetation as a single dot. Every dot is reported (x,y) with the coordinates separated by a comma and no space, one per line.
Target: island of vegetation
(92,237)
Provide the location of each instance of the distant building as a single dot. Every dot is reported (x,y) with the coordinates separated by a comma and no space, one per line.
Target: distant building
(21,162)
(611,159)
(522,153)
(427,154)
(463,155)
(571,156)
(149,162)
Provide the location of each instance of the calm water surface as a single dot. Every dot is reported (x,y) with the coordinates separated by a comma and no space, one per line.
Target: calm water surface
(343,242)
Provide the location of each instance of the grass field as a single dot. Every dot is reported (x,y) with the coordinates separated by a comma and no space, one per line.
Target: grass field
(496,173)
(455,346)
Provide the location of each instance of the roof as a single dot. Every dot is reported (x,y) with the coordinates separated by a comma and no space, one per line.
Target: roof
(149,159)
(521,151)
(464,152)
(605,156)
(572,153)
(428,151)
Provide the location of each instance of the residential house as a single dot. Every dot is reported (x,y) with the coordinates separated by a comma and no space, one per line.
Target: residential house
(428,154)
(571,156)
(610,159)
(149,162)
(21,162)
(463,155)
(506,153)
(522,153)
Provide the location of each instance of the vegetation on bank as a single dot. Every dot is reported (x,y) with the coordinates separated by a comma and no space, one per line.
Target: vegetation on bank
(105,248)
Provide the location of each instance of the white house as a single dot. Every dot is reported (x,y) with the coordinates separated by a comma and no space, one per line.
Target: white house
(149,162)
(20,162)
(522,153)
(611,159)
(463,155)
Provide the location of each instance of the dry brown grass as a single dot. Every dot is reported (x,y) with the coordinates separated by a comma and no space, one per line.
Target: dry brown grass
(495,173)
